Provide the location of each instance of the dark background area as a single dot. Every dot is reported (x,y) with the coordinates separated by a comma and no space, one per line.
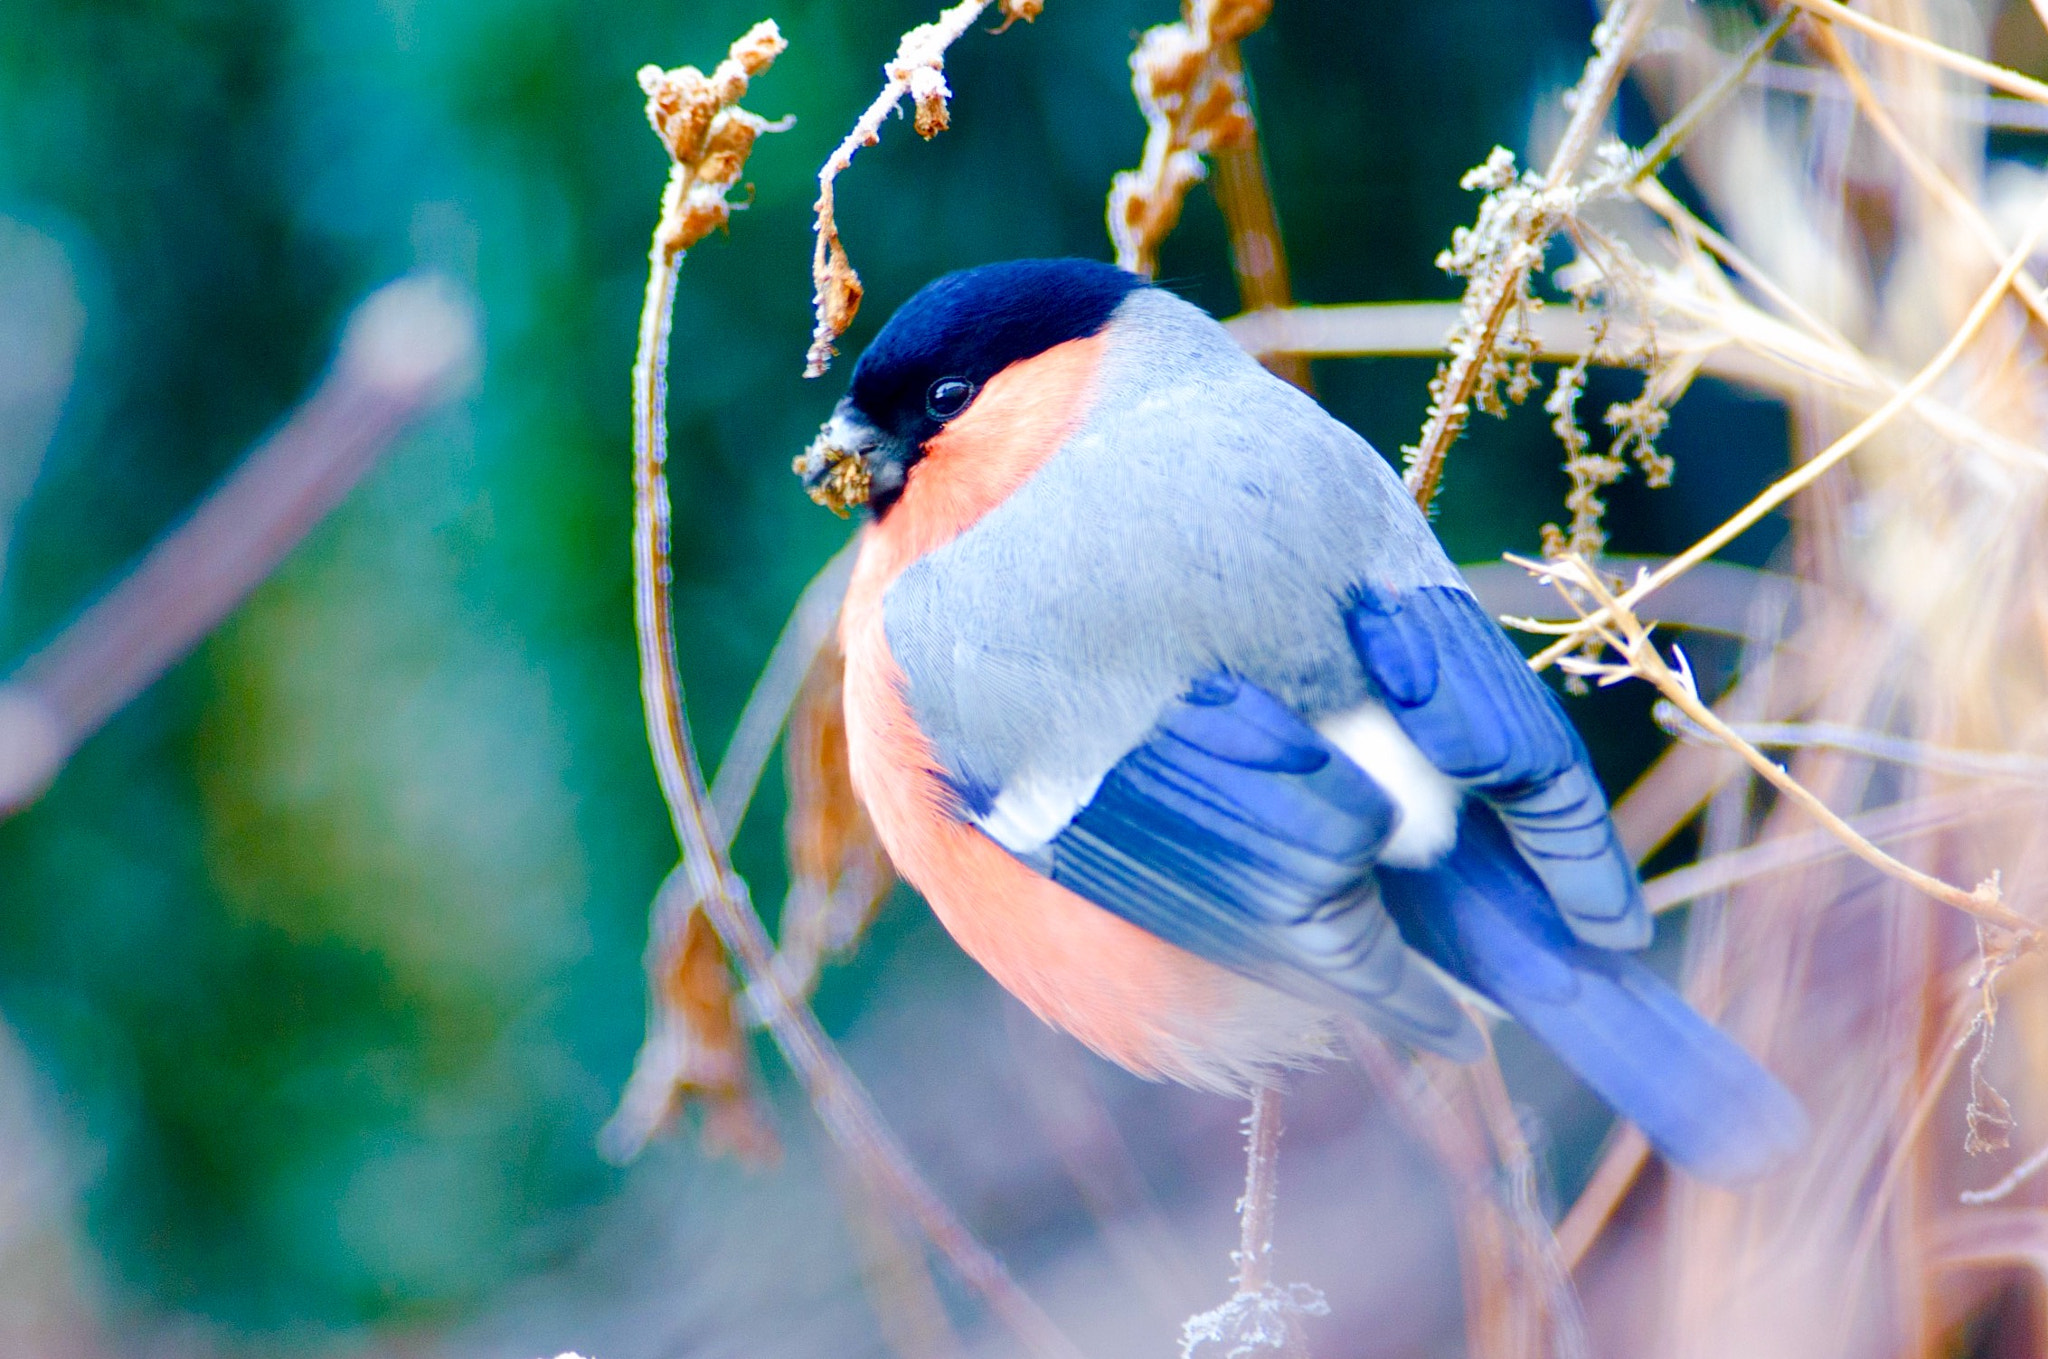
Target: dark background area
(327,951)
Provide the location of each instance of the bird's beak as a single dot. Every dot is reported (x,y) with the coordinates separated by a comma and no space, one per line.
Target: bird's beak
(836,468)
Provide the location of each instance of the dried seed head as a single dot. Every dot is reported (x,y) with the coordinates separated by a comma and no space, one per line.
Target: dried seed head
(1230,20)
(929,93)
(707,136)
(1013,10)
(833,476)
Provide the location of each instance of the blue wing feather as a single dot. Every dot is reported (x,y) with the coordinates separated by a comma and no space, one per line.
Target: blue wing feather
(1237,832)
(1483,917)
(1469,702)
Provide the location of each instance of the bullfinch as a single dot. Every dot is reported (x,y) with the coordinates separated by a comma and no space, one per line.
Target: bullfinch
(1161,691)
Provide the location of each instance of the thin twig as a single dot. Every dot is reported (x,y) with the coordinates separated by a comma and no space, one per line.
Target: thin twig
(2019,1175)
(1998,77)
(1629,639)
(1720,872)
(1811,470)
(406,349)
(1931,178)
(1495,296)
(842,1104)
(1261,1192)
(1672,137)
(1856,368)
(1990,111)
(1260,1315)
(1875,745)
(917,72)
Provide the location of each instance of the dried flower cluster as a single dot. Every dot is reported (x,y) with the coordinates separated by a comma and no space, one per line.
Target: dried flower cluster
(707,134)
(1191,90)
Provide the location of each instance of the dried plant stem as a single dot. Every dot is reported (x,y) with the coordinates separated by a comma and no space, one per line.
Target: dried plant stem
(1261,1192)
(1625,633)
(808,630)
(1258,252)
(842,1104)
(1260,1315)
(1998,77)
(1812,469)
(2018,1176)
(1381,329)
(1950,1047)
(1497,295)
(1721,872)
(1551,1284)
(1875,745)
(406,349)
(1672,137)
(917,73)
(1856,368)
(1595,1206)
(1931,178)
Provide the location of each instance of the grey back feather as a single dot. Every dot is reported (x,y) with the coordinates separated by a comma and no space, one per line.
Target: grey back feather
(1207,516)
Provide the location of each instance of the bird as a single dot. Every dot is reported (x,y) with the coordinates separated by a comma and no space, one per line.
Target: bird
(1161,691)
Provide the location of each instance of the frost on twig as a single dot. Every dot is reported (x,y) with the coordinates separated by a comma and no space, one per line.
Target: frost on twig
(1488,353)
(1251,1322)
(918,71)
(1260,1314)
(707,134)
(1988,1119)
(1191,91)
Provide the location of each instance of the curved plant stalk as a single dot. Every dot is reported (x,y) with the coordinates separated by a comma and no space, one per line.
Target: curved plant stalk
(842,1104)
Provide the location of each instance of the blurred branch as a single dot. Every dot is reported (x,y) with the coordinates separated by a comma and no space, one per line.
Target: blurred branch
(1612,1179)
(1929,176)
(1875,745)
(1258,252)
(842,1104)
(406,349)
(1998,77)
(1672,137)
(1905,820)
(1509,1292)
(808,631)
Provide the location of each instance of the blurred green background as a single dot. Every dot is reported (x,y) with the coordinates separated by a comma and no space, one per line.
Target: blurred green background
(326,953)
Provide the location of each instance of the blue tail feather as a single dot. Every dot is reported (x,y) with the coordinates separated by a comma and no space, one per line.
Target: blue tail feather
(1704,1103)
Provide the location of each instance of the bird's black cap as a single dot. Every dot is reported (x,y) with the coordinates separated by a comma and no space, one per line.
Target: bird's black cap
(973,324)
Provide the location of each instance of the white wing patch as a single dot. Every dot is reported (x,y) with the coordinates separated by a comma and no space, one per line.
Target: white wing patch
(1427,797)
(1033,809)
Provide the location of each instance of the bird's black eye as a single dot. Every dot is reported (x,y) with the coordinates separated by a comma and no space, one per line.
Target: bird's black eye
(948,397)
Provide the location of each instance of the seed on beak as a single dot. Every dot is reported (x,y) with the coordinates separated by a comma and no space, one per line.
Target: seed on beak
(836,477)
